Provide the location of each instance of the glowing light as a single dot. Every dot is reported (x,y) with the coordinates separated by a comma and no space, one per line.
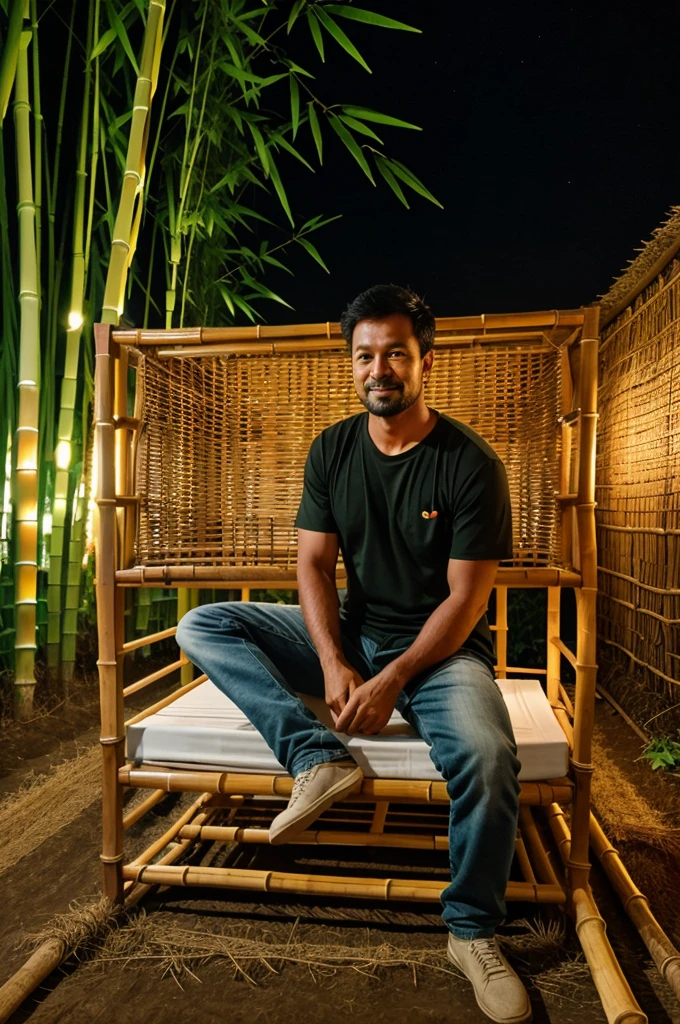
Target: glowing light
(75,320)
(62,455)
(47,524)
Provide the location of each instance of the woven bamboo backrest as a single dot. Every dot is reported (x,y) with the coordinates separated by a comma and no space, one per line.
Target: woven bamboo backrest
(224,438)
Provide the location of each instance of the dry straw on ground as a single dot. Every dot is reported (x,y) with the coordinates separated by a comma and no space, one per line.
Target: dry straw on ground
(48,804)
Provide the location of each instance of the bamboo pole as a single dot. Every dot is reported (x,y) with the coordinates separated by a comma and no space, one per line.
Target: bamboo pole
(133,178)
(10,54)
(618,1002)
(319,837)
(46,959)
(322,885)
(61,522)
(502,632)
(27,483)
(586,595)
(553,654)
(661,949)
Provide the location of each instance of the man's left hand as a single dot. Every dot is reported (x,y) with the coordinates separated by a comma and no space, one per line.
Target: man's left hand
(370,707)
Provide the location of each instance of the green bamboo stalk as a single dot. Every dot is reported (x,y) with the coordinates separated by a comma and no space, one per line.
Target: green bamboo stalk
(133,178)
(69,386)
(10,54)
(26,445)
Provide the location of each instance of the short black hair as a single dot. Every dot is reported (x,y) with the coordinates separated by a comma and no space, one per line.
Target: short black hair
(384,300)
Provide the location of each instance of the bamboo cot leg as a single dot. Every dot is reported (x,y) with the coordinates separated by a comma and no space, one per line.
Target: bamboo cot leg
(183,606)
(661,949)
(586,595)
(108,605)
(553,655)
(501,632)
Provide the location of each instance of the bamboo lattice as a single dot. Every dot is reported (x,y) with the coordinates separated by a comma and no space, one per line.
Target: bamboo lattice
(224,440)
(638,472)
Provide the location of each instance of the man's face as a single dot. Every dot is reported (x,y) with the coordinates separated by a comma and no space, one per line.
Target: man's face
(386,364)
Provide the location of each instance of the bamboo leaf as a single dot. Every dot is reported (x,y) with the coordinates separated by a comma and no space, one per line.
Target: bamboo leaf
(358,126)
(391,180)
(293,16)
(121,32)
(276,263)
(242,304)
(251,35)
(238,74)
(281,141)
(352,145)
(316,129)
(224,292)
(313,252)
(373,115)
(316,32)
(261,148)
(409,178)
(368,17)
(340,37)
(296,67)
(266,293)
(280,191)
(104,42)
(317,222)
(294,104)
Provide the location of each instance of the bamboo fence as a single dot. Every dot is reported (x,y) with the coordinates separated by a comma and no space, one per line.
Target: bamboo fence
(638,467)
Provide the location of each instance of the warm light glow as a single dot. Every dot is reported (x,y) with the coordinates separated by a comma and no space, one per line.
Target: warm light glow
(60,506)
(47,524)
(75,320)
(62,455)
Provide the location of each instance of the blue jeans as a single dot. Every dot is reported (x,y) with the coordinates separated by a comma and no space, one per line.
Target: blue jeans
(260,654)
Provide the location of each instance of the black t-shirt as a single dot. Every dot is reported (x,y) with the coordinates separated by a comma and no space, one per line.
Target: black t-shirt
(396,559)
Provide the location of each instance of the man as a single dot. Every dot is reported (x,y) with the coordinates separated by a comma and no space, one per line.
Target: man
(418,504)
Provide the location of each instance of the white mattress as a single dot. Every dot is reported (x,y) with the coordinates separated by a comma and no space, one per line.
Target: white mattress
(204,729)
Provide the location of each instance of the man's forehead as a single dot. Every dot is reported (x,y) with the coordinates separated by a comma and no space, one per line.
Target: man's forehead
(392,330)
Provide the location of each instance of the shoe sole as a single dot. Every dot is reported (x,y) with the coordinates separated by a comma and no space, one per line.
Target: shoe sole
(499,1020)
(341,788)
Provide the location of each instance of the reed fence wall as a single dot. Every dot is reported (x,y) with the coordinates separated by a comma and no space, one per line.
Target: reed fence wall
(638,484)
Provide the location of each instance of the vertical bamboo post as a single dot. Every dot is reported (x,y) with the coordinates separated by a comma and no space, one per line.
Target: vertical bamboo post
(553,663)
(501,632)
(26,562)
(566,406)
(586,595)
(111,698)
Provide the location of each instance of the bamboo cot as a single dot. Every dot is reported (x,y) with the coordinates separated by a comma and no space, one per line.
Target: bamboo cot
(197,487)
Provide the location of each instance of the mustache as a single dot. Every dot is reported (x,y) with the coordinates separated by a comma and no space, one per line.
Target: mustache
(385,384)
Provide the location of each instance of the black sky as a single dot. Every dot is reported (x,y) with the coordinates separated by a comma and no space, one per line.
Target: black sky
(548,135)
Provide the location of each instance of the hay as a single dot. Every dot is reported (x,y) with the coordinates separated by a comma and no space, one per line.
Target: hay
(147,940)
(664,240)
(46,805)
(85,922)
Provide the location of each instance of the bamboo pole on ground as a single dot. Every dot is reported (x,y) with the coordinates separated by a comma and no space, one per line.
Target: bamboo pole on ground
(26,509)
(661,949)
(133,178)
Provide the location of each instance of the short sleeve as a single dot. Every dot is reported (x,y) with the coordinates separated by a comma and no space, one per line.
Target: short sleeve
(482,517)
(315,511)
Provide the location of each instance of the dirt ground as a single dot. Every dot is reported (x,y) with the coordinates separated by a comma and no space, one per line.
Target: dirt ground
(147,981)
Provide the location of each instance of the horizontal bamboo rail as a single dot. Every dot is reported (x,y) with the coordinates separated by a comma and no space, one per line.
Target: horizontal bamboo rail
(404,790)
(550,319)
(661,949)
(249,879)
(145,641)
(153,677)
(133,816)
(319,837)
(170,699)
(273,576)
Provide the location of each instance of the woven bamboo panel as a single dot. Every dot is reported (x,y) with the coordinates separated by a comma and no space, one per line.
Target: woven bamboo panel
(638,473)
(224,441)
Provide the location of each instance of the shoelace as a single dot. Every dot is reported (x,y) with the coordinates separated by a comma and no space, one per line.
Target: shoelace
(301,781)
(485,951)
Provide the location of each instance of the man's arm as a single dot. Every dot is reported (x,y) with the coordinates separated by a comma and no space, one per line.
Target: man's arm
(317,559)
(449,626)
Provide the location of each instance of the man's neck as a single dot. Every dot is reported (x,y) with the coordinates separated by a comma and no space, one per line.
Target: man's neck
(396,434)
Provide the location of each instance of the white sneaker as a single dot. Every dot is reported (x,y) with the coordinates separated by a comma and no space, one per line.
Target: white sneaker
(313,792)
(498,990)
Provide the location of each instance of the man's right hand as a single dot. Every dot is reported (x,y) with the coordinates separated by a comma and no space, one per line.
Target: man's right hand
(340,682)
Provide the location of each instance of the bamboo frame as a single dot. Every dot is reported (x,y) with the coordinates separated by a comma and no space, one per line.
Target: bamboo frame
(235,807)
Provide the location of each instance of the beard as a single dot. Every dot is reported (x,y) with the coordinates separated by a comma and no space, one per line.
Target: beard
(391,404)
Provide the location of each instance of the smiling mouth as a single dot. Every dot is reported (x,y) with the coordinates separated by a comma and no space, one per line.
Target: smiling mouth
(383,390)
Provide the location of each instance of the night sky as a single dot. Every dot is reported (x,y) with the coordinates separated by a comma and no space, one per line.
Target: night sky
(548,135)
